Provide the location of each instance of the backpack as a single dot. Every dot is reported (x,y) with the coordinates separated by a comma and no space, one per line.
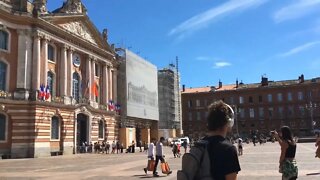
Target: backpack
(196,164)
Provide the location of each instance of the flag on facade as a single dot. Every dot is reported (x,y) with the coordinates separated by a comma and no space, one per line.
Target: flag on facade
(47,93)
(118,108)
(95,89)
(41,92)
(111,106)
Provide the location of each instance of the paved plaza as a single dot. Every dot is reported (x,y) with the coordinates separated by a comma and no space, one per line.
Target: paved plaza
(260,162)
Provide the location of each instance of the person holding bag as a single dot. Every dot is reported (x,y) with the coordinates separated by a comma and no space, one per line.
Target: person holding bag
(288,166)
(151,162)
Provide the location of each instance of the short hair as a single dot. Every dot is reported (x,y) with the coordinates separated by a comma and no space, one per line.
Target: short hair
(162,139)
(219,115)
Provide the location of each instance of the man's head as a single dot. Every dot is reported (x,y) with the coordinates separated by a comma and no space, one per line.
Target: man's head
(220,117)
(162,139)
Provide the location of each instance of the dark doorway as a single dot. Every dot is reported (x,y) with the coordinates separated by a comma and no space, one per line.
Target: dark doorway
(138,135)
(82,129)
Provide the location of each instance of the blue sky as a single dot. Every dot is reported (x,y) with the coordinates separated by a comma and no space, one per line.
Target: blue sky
(220,39)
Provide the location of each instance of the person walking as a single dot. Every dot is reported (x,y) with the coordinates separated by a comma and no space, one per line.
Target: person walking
(118,147)
(240,146)
(185,146)
(159,156)
(107,148)
(113,147)
(287,161)
(150,154)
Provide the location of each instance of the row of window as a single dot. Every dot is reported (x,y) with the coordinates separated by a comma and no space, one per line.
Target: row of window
(279,96)
(261,112)
(55,128)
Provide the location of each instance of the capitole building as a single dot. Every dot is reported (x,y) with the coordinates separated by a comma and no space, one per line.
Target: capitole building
(63,51)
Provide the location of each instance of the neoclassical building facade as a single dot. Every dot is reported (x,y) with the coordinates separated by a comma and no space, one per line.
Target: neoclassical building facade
(57,75)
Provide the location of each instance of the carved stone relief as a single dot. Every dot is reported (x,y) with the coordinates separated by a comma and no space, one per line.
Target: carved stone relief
(80,30)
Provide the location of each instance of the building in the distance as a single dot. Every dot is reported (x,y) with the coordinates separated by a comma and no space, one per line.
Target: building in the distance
(169,99)
(260,107)
(138,97)
(57,73)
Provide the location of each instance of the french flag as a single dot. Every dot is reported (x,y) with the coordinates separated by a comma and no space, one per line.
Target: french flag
(41,92)
(118,108)
(47,93)
(111,105)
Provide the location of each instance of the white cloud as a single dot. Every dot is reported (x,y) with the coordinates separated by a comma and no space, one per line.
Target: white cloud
(203,58)
(299,49)
(296,10)
(203,19)
(221,64)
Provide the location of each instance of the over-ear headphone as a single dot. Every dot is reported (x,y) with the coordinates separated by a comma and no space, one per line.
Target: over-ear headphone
(230,116)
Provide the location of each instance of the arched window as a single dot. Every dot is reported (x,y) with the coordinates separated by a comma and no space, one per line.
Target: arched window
(4,40)
(55,128)
(3,75)
(101,129)
(50,82)
(3,127)
(75,86)
(50,52)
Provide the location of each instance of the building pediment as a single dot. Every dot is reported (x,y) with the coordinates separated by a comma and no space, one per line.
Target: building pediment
(78,28)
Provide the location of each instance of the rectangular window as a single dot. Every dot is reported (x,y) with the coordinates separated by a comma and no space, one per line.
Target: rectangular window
(205,102)
(261,112)
(270,110)
(289,96)
(101,130)
(198,116)
(302,110)
(97,69)
(300,96)
(280,97)
(198,103)
(251,113)
(281,112)
(50,53)
(3,76)
(4,37)
(190,116)
(250,99)
(270,98)
(2,127)
(260,99)
(241,100)
(290,111)
(189,103)
(241,112)
(231,100)
(55,128)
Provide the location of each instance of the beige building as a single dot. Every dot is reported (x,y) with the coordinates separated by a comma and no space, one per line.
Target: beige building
(63,51)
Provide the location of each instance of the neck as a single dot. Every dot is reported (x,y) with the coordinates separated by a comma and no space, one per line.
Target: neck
(217,133)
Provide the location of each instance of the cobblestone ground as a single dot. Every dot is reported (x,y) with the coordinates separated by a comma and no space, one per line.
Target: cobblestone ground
(259,162)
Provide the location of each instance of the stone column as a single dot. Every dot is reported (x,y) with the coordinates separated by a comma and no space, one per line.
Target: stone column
(88,78)
(114,85)
(104,88)
(93,68)
(110,84)
(44,48)
(63,74)
(24,52)
(36,62)
(70,71)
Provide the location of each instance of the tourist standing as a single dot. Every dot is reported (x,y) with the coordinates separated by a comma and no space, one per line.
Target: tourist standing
(113,147)
(240,146)
(287,161)
(107,148)
(118,147)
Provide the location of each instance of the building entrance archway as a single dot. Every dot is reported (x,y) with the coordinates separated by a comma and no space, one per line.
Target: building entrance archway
(82,129)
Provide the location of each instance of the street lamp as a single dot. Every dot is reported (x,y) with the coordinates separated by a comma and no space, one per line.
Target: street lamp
(311,106)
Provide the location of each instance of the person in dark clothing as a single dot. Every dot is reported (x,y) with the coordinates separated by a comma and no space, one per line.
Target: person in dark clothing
(223,155)
(118,147)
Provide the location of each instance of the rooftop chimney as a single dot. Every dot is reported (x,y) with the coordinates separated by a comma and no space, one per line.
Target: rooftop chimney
(183,88)
(220,84)
(237,83)
(264,81)
(301,78)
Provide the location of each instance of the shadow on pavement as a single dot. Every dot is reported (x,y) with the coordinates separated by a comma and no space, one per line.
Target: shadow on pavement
(313,174)
(148,176)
